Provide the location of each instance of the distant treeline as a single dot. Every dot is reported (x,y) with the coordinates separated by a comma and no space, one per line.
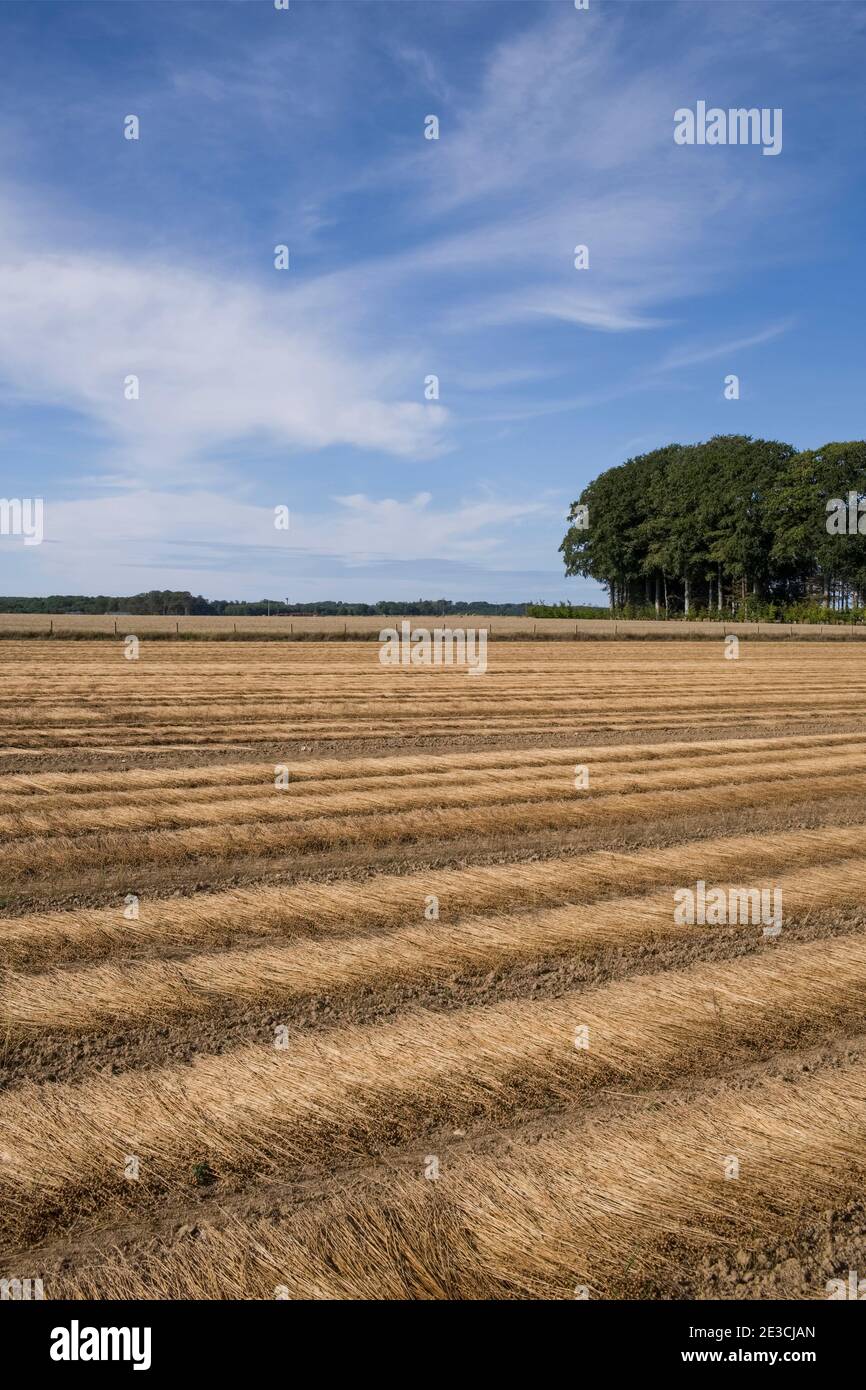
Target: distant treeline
(180,604)
(743,527)
(566,610)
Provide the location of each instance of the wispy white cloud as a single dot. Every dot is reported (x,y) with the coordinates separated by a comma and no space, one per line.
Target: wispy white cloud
(568,141)
(696,354)
(217,364)
(126,538)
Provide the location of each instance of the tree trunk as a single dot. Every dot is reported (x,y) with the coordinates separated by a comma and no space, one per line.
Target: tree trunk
(657,595)
(666,593)
(719,588)
(687,594)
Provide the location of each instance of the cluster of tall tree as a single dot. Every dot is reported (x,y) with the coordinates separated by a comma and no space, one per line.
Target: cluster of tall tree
(723,525)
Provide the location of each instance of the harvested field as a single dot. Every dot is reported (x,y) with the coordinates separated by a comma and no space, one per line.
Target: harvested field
(323,979)
(317,629)
(269,697)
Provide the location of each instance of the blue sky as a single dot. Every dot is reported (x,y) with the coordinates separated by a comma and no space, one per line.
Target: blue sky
(408,257)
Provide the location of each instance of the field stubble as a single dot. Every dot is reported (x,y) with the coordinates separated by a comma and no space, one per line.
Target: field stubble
(429,1113)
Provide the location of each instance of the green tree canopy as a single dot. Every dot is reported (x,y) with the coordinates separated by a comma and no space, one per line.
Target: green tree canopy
(720,521)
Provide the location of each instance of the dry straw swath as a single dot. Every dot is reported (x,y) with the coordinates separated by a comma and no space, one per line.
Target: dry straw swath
(277,693)
(358,1089)
(590,1204)
(114,994)
(66,853)
(555,783)
(84,788)
(323,909)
